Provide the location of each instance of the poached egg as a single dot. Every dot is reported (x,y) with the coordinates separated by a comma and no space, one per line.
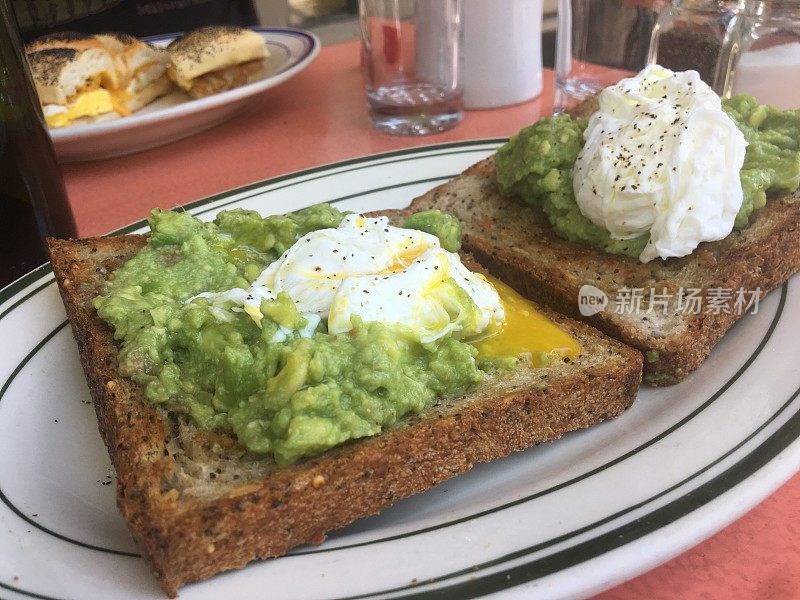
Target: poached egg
(661,156)
(369,269)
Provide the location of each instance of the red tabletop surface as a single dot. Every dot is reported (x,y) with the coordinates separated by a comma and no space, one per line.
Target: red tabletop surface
(320,117)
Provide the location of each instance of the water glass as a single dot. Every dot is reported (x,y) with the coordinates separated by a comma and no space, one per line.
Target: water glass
(768,62)
(410,61)
(599,42)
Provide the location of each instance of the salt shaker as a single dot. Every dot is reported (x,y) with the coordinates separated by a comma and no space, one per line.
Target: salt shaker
(502,52)
(703,35)
(768,62)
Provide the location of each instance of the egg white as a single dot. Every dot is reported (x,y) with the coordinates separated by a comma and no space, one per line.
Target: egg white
(661,156)
(369,269)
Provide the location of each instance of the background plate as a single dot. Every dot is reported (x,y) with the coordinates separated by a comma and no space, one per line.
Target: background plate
(566,519)
(177,116)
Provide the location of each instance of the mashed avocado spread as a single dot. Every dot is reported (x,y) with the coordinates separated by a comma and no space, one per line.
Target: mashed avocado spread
(288,396)
(536,164)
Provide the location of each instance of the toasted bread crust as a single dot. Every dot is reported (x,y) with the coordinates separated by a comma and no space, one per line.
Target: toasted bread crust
(185,538)
(213,48)
(517,243)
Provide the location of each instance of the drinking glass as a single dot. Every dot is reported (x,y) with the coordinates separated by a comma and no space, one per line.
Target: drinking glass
(410,61)
(599,42)
(768,65)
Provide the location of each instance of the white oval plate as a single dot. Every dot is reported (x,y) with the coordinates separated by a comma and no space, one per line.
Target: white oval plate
(176,115)
(564,519)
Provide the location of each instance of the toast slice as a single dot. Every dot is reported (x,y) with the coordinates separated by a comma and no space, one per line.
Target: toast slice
(516,242)
(198,504)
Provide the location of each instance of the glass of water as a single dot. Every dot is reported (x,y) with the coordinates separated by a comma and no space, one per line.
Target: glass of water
(410,61)
(599,42)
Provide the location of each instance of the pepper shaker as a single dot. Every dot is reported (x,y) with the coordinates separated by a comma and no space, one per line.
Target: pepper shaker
(502,52)
(703,35)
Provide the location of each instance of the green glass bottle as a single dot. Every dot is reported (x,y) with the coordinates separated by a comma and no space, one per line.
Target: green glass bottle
(33,201)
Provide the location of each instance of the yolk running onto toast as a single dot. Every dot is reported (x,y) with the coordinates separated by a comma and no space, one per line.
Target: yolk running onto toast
(525,331)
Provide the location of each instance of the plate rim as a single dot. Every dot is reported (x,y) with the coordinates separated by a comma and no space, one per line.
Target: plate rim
(497,578)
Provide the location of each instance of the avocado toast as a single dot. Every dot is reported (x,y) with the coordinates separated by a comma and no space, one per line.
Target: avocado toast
(517,243)
(655,306)
(198,503)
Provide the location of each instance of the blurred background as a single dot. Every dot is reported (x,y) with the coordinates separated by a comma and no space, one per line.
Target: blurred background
(337,20)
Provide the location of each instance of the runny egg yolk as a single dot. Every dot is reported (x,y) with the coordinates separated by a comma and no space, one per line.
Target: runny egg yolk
(525,331)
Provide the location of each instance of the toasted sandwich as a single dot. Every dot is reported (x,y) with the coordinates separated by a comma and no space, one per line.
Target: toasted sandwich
(214,59)
(76,85)
(141,68)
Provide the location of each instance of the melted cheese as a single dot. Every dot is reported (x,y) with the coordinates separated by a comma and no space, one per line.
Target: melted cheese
(119,100)
(525,331)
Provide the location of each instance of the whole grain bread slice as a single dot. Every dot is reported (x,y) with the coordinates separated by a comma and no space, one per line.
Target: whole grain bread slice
(198,504)
(516,242)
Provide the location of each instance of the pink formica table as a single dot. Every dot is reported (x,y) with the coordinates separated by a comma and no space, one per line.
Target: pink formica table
(320,117)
